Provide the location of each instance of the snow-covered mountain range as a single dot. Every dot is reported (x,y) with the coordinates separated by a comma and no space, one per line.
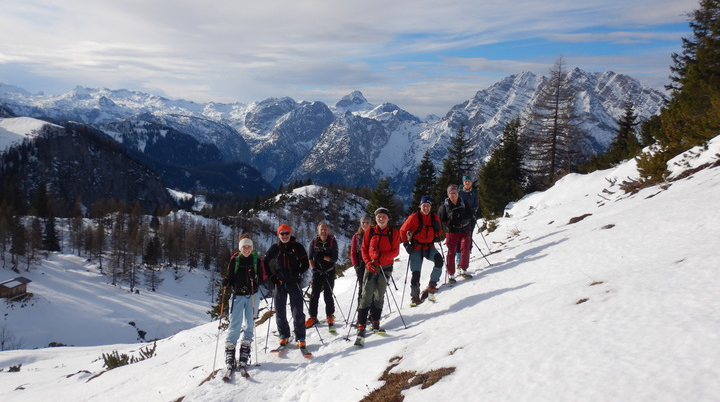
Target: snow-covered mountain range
(354,141)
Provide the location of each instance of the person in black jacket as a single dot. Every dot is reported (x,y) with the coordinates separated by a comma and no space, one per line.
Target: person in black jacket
(287,262)
(245,272)
(457,216)
(323,252)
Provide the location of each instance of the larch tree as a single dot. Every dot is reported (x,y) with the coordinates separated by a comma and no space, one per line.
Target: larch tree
(552,135)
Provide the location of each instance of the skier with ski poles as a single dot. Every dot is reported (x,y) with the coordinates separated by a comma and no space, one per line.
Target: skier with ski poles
(380,246)
(322,254)
(457,217)
(245,272)
(418,234)
(287,262)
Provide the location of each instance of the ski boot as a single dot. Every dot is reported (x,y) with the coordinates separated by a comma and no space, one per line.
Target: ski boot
(360,340)
(310,322)
(244,353)
(230,356)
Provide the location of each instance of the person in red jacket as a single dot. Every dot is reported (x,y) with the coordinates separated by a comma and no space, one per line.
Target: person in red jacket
(418,235)
(380,246)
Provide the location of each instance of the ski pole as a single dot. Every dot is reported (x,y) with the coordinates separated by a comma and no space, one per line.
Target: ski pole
(483,236)
(308,307)
(445,257)
(267,336)
(407,270)
(347,338)
(257,361)
(217,341)
(337,303)
(393,296)
(481,253)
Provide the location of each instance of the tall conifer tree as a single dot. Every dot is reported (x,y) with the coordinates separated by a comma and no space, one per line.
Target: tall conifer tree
(501,178)
(459,162)
(384,196)
(692,115)
(424,183)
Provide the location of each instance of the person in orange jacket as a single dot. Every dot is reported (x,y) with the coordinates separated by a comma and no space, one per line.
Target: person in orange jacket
(418,234)
(380,246)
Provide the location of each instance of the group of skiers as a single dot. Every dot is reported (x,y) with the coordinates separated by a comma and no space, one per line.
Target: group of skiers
(372,252)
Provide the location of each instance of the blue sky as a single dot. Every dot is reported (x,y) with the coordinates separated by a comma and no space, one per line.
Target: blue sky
(425,56)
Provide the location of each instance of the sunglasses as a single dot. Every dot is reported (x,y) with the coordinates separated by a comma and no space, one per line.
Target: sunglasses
(284,233)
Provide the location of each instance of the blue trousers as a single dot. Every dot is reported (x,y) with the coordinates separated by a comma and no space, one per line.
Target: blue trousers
(416,260)
(242,309)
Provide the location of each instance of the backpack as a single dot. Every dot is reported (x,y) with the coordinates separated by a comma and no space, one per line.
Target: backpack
(388,235)
(255,262)
(421,225)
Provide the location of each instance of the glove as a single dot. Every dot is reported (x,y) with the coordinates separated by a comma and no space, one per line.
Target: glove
(436,226)
(371,268)
(408,247)
(225,282)
(274,280)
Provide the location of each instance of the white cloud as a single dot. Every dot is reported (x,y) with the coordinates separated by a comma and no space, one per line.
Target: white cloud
(230,51)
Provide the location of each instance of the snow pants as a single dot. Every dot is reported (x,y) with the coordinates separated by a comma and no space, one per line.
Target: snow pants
(293,291)
(323,282)
(374,287)
(416,260)
(243,309)
(458,242)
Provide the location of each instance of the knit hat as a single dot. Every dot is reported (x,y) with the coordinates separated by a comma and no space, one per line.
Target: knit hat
(382,210)
(467,178)
(426,199)
(245,242)
(284,228)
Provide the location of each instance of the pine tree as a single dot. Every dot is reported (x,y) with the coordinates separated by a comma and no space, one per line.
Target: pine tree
(457,164)
(552,136)
(384,196)
(625,145)
(461,153)
(425,181)
(501,178)
(692,117)
(50,241)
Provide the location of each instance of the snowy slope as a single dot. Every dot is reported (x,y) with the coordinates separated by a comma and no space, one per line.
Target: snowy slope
(619,306)
(13,130)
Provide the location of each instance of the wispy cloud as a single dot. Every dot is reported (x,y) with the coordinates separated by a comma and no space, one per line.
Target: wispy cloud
(423,55)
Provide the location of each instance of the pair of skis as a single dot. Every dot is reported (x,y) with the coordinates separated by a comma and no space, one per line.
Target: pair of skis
(227,374)
(305,352)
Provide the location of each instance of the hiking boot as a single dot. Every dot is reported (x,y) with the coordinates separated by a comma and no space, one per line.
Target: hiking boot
(451,279)
(331,320)
(284,341)
(375,325)
(301,344)
(432,287)
(310,322)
